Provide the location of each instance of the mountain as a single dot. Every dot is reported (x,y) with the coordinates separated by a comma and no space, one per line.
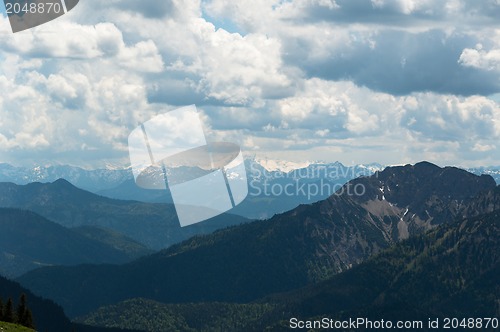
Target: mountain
(420,196)
(306,245)
(493,171)
(276,191)
(153,225)
(128,190)
(29,241)
(451,271)
(114,239)
(489,201)
(275,187)
(271,191)
(92,180)
(307,182)
(263,175)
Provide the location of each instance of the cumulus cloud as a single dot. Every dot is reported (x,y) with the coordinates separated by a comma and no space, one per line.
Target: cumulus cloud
(72,41)
(236,69)
(357,80)
(479,58)
(397,47)
(362,124)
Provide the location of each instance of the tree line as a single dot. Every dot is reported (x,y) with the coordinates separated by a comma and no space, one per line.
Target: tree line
(20,315)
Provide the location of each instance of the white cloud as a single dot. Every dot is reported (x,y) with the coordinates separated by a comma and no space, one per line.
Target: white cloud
(66,40)
(143,56)
(236,69)
(483,148)
(75,41)
(479,58)
(406,7)
(363,80)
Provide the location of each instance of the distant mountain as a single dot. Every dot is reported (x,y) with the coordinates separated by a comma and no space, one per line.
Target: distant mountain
(305,182)
(114,239)
(276,191)
(128,190)
(306,245)
(271,191)
(154,225)
(29,241)
(92,180)
(276,187)
(451,271)
(493,171)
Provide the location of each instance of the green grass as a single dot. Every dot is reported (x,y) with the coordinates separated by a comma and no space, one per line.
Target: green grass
(8,327)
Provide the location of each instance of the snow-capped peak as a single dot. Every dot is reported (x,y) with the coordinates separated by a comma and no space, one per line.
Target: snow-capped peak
(282,165)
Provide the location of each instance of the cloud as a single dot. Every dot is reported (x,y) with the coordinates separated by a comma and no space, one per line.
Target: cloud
(72,41)
(397,47)
(387,60)
(479,58)
(101,41)
(143,56)
(363,124)
(358,80)
(236,69)
(394,12)
(483,148)
(150,8)
(452,118)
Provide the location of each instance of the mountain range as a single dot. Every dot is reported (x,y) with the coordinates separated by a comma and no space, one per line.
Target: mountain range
(301,247)
(450,271)
(28,241)
(270,191)
(91,180)
(266,178)
(153,225)
(263,200)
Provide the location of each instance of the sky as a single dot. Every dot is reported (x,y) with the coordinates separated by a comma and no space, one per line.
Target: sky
(356,81)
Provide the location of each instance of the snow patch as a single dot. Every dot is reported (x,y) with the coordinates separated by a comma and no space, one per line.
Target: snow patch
(283,165)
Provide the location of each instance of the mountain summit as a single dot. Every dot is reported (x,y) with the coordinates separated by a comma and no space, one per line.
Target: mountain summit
(405,200)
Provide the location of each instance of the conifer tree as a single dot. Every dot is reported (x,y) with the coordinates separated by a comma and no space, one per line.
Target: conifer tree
(1,310)
(21,309)
(28,319)
(8,315)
